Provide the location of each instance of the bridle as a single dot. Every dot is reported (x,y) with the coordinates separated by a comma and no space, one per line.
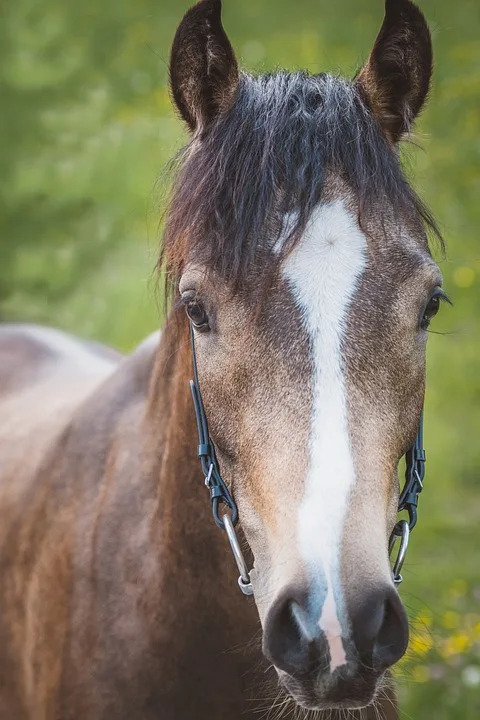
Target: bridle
(219,492)
(415,459)
(221,495)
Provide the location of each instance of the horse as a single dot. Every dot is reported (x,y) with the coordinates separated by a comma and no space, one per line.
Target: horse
(301,285)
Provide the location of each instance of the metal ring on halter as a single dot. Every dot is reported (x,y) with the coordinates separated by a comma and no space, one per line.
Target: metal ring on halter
(244,579)
(402,531)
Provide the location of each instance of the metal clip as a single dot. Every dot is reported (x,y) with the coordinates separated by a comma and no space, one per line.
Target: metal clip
(244,579)
(402,531)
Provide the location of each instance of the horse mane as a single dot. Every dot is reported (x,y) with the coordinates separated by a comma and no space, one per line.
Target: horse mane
(267,157)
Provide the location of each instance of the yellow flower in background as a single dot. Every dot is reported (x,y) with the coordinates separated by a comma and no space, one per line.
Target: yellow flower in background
(455,645)
(451,620)
(421,643)
(447,649)
(425,618)
(461,642)
(464,276)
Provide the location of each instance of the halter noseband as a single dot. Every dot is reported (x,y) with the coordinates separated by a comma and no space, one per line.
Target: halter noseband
(221,495)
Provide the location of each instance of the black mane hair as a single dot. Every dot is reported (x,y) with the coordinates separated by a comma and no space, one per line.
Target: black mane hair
(269,155)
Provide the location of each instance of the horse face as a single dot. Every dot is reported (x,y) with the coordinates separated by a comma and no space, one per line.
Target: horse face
(312,400)
(312,367)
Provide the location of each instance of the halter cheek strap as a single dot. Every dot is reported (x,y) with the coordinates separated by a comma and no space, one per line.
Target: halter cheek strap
(219,492)
(415,472)
(221,495)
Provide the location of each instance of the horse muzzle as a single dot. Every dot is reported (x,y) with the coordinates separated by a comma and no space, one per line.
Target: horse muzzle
(344,672)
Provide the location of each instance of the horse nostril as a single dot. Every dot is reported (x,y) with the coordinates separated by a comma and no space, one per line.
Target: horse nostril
(392,639)
(288,639)
(381,630)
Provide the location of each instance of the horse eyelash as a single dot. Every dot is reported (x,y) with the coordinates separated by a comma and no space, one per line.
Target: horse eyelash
(180,303)
(184,300)
(442,295)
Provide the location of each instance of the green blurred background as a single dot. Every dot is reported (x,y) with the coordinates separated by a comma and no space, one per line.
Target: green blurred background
(85,129)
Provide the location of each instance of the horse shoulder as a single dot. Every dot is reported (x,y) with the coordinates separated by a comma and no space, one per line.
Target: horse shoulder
(67,414)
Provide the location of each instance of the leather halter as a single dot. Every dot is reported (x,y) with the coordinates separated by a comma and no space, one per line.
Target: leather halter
(219,492)
(415,459)
(221,495)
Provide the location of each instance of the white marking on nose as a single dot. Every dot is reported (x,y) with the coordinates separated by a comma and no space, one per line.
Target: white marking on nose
(323,272)
(330,624)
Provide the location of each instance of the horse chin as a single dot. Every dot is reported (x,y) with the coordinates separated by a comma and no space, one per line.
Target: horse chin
(331,693)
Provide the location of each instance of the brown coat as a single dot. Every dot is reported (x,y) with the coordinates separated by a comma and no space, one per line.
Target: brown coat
(118,593)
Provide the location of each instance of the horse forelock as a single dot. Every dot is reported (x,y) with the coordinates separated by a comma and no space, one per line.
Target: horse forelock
(274,154)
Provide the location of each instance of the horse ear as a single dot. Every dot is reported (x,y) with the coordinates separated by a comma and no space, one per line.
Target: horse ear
(396,79)
(203,68)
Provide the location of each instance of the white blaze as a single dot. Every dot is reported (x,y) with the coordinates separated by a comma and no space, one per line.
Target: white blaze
(323,272)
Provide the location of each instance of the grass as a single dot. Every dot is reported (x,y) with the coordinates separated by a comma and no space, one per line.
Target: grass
(87,130)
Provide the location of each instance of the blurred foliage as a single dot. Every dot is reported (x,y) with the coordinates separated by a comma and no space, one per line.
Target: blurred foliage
(85,128)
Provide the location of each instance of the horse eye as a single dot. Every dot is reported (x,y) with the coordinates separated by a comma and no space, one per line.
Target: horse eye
(197,315)
(431,310)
